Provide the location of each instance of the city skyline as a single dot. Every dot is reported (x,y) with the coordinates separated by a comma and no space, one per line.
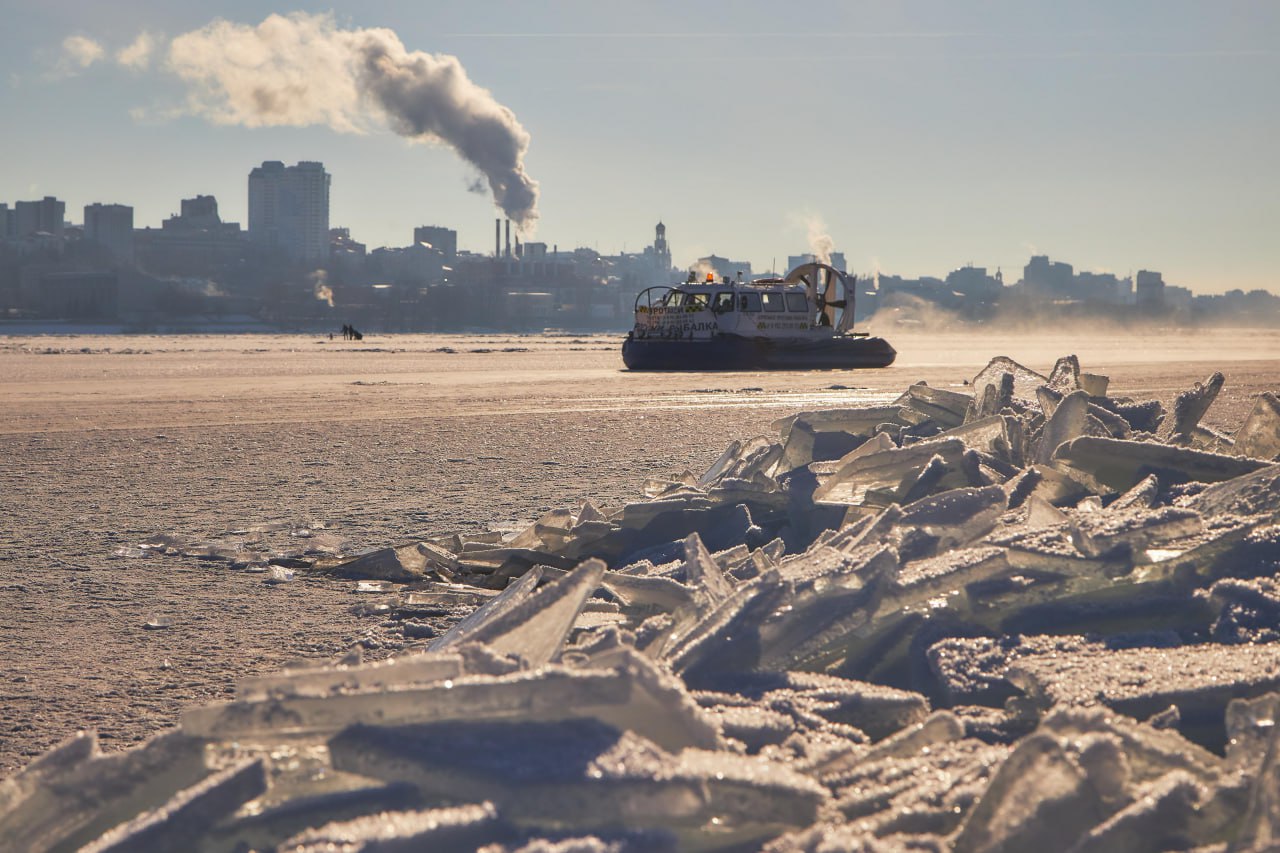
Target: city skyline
(289,212)
(918,136)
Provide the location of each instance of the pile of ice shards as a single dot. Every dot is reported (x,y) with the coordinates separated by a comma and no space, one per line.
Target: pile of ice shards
(1030,616)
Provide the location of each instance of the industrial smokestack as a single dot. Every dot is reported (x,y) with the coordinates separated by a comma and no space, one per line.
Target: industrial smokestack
(301,69)
(497,237)
(508,238)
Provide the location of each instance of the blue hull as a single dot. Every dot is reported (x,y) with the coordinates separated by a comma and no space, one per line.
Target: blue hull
(730,352)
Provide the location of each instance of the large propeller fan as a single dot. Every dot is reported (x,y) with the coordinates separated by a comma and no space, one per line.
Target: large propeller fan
(830,292)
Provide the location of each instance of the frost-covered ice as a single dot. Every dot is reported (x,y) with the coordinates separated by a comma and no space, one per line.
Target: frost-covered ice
(1030,617)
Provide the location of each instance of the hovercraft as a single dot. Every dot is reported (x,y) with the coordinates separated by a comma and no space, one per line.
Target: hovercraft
(801,322)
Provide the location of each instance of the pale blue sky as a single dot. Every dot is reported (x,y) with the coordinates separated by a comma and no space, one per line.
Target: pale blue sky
(1113,135)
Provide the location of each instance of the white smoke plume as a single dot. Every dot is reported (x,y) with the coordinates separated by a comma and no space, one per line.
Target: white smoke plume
(302,69)
(320,287)
(820,242)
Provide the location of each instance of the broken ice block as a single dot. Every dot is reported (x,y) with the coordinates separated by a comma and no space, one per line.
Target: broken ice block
(432,597)
(1102,533)
(1120,465)
(515,593)
(1065,376)
(957,516)
(1250,494)
(890,472)
(727,637)
(1149,753)
(67,755)
(1141,496)
(926,795)
(642,595)
(404,563)
(1095,384)
(947,408)
(1140,682)
(1017,813)
(325,680)
(632,696)
(703,573)
(1041,513)
(1259,435)
(1066,423)
(1024,381)
(535,628)
(79,800)
(992,435)
(585,775)
(872,708)
(939,727)
(1191,405)
(182,821)
(756,727)
(1248,610)
(450,829)
(1157,820)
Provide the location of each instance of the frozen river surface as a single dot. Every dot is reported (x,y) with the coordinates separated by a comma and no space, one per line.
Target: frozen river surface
(109,442)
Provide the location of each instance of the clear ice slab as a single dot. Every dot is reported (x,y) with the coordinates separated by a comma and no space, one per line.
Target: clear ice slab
(1120,465)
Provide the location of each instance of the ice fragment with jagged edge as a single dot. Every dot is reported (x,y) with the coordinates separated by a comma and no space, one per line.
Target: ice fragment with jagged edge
(703,573)
(1139,682)
(1065,376)
(535,629)
(946,408)
(884,477)
(1158,819)
(1067,422)
(404,563)
(633,695)
(957,516)
(325,680)
(584,774)
(80,794)
(182,821)
(1259,435)
(1120,465)
(515,593)
(1102,533)
(1049,814)
(1191,405)
(449,829)
(1025,381)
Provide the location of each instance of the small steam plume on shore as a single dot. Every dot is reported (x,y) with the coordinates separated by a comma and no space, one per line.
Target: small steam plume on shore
(302,69)
(320,286)
(820,242)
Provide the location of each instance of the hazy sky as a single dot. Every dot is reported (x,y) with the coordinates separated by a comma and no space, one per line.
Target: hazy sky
(924,135)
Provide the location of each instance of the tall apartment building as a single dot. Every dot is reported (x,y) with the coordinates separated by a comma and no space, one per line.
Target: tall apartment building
(443,239)
(289,209)
(1150,290)
(110,226)
(46,215)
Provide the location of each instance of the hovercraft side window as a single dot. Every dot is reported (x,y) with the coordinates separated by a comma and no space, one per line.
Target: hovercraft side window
(772,301)
(723,303)
(695,301)
(750,301)
(797,303)
(673,299)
